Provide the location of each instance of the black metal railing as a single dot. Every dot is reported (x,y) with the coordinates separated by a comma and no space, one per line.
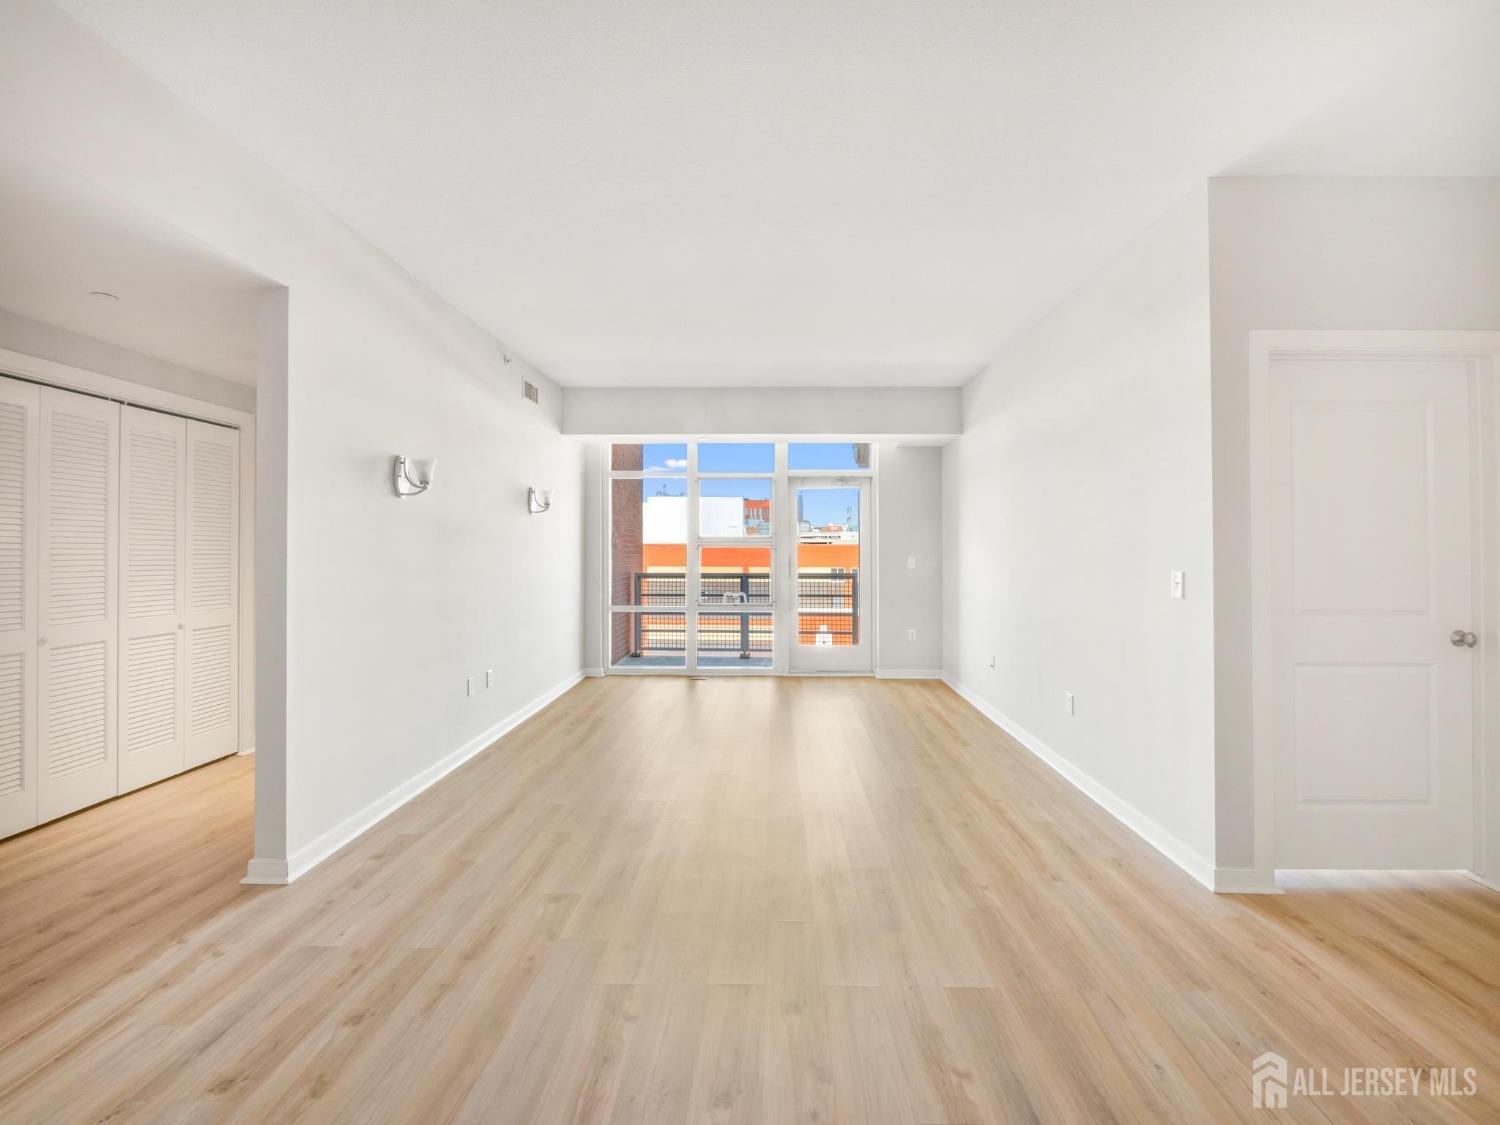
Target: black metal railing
(827,612)
(748,634)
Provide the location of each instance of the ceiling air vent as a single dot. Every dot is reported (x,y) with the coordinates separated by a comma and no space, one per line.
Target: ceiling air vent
(530,391)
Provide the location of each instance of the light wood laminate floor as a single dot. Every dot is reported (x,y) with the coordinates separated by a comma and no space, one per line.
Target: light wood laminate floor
(762,900)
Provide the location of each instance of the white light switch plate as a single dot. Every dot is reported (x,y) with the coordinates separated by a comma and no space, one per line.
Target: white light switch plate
(1068,701)
(1179,582)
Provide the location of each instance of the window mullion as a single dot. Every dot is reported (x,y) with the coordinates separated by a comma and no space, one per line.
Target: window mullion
(693,565)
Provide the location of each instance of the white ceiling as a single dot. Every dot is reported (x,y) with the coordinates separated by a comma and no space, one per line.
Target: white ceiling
(1430,115)
(62,237)
(776,192)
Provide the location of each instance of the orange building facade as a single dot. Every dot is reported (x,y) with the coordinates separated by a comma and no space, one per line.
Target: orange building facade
(839,562)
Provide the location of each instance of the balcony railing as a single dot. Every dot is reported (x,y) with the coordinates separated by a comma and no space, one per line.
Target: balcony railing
(827,612)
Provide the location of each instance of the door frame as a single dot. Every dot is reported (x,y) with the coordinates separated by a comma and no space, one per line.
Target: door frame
(1482,351)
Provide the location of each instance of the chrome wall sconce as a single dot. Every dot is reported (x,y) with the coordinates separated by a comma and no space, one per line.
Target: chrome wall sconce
(539,500)
(412,476)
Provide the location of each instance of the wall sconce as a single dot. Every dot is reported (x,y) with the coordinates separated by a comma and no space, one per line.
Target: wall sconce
(539,500)
(412,475)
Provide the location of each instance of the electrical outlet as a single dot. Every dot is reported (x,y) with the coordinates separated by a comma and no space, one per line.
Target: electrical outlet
(468,685)
(911,634)
(1068,702)
(489,677)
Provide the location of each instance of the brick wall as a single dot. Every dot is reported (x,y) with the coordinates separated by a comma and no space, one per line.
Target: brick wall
(625,549)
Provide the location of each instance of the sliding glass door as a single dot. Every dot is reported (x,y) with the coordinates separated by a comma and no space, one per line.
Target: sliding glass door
(706,550)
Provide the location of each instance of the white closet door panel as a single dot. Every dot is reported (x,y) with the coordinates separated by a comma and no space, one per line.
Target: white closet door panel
(78,619)
(19,406)
(211,664)
(18,410)
(212,528)
(212,592)
(153,535)
(15,770)
(80,540)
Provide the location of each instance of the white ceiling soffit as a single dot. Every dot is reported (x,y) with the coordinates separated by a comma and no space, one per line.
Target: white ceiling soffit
(64,244)
(776,193)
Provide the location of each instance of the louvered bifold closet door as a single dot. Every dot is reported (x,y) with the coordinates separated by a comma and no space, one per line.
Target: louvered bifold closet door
(19,404)
(153,602)
(213,475)
(78,626)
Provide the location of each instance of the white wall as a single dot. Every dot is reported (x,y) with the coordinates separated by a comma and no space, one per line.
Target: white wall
(769,412)
(389,603)
(45,341)
(1315,253)
(909,527)
(1081,481)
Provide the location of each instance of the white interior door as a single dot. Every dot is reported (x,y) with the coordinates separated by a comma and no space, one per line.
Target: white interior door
(212,592)
(1372,573)
(77,623)
(829,580)
(153,520)
(19,406)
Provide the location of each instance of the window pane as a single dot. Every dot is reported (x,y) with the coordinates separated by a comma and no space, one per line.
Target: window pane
(736,575)
(647,640)
(652,457)
(829,594)
(828,455)
(739,457)
(735,640)
(648,541)
(734,509)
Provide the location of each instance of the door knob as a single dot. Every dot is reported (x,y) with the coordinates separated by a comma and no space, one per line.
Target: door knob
(1460,638)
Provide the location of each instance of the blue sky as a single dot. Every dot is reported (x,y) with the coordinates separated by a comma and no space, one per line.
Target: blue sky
(821,506)
(654,456)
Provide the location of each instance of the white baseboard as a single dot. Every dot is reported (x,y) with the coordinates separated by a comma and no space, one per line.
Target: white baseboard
(593,672)
(1245,881)
(1127,814)
(247,750)
(305,858)
(1482,881)
(268,872)
(908,673)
